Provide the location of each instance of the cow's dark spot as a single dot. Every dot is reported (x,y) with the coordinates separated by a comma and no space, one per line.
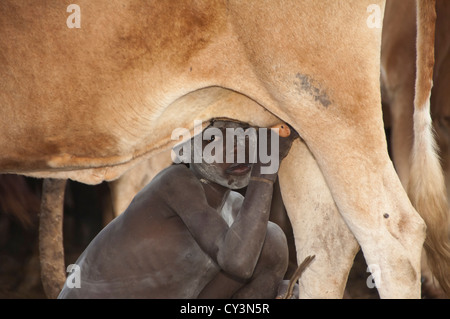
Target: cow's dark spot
(305,84)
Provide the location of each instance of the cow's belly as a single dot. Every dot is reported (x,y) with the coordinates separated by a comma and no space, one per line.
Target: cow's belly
(203,105)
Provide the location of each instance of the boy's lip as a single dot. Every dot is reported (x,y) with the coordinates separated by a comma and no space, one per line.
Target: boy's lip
(239,169)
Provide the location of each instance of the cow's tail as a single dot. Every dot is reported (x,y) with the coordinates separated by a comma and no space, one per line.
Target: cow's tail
(426,187)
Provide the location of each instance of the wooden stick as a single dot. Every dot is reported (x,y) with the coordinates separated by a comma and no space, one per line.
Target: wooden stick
(297,275)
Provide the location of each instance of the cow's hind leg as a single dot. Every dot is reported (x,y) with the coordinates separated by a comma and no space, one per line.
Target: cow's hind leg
(318,228)
(367,191)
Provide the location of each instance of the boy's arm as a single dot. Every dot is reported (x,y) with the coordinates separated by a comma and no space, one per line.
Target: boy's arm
(236,249)
(242,244)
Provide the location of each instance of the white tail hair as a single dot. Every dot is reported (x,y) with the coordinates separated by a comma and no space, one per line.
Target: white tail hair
(426,187)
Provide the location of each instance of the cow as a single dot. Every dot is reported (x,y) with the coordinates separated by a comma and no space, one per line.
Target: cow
(88,102)
(398,70)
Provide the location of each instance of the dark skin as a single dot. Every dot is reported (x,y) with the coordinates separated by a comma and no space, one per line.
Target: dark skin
(173,241)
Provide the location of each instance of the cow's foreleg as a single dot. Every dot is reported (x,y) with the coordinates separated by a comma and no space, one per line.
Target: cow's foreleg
(50,237)
(318,228)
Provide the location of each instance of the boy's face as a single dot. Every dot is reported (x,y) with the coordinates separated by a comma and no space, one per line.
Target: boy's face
(228,171)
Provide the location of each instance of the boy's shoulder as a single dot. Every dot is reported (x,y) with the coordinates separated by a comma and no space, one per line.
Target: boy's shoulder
(176,170)
(175,176)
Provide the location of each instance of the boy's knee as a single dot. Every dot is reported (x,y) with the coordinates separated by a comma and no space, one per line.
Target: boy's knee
(275,252)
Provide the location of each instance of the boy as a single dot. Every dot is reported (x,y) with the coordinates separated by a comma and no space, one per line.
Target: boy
(187,234)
